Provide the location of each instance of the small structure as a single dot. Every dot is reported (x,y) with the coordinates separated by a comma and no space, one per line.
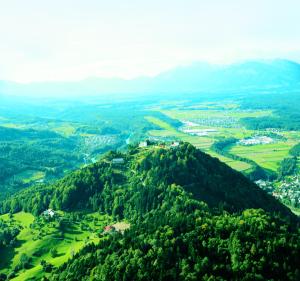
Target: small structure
(49,213)
(121,226)
(109,229)
(143,144)
(175,144)
(118,161)
(117,227)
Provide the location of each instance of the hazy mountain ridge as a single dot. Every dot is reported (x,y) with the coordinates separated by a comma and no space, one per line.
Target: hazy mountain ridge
(195,78)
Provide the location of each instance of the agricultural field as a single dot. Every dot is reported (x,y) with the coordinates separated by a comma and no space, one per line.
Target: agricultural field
(267,156)
(51,240)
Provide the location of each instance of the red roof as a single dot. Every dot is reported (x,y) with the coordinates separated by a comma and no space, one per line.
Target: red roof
(108,228)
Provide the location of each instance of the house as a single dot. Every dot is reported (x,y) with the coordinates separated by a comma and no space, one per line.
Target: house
(143,144)
(118,161)
(109,229)
(175,144)
(49,213)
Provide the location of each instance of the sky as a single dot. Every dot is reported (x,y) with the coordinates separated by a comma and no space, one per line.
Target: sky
(42,40)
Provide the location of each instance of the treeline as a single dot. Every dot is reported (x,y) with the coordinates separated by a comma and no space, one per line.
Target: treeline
(295,150)
(8,234)
(286,112)
(288,166)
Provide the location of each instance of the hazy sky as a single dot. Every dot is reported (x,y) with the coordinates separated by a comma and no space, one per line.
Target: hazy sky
(75,39)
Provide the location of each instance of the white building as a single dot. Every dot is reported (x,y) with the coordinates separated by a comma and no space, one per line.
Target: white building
(175,144)
(143,144)
(49,213)
(118,161)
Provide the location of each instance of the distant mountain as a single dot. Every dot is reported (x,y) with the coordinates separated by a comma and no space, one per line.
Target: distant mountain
(195,78)
(247,75)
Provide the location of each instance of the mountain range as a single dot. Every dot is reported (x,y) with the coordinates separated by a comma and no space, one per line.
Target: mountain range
(195,78)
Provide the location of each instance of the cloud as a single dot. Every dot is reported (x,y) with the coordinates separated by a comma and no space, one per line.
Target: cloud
(70,40)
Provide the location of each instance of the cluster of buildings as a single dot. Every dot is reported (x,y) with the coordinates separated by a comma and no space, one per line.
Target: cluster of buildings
(189,128)
(224,121)
(256,140)
(287,190)
(144,144)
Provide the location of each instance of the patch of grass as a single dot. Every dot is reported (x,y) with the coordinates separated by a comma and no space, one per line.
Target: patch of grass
(206,114)
(267,156)
(65,129)
(30,176)
(38,237)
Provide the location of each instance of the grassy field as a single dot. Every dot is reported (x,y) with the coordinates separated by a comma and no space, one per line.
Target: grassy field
(38,237)
(206,114)
(65,129)
(30,176)
(236,165)
(267,156)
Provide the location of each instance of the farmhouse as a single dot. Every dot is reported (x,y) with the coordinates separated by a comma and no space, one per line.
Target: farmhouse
(109,229)
(49,213)
(117,227)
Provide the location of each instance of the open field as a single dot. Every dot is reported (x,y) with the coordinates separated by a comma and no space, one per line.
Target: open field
(38,237)
(267,156)
(190,114)
(236,165)
(30,176)
(65,129)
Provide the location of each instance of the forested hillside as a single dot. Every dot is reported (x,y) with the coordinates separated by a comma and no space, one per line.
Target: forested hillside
(191,216)
(206,178)
(28,155)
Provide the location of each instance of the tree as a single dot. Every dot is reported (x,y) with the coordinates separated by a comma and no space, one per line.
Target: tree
(53,252)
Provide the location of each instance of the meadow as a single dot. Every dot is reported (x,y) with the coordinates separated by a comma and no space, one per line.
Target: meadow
(67,234)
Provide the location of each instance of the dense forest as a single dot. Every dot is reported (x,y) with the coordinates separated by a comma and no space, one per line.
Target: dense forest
(28,151)
(295,150)
(192,218)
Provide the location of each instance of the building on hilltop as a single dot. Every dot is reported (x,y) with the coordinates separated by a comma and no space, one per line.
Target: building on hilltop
(175,144)
(143,144)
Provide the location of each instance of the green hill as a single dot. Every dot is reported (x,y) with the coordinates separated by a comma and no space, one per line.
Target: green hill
(191,218)
(207,178)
